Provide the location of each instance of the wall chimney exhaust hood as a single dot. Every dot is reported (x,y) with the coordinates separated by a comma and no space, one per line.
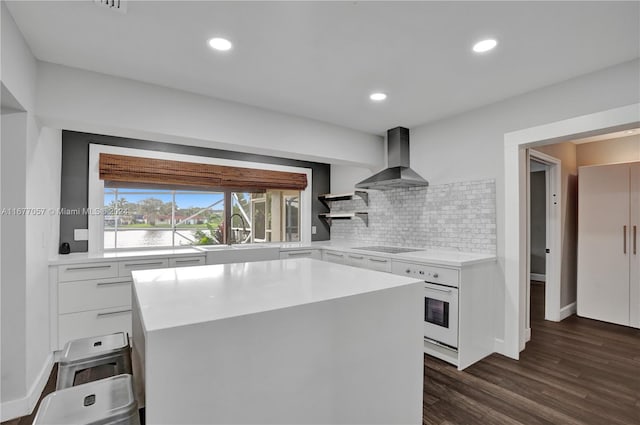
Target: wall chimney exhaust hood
(398,174)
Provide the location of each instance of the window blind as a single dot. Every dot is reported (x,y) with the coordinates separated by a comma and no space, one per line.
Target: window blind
(123,170)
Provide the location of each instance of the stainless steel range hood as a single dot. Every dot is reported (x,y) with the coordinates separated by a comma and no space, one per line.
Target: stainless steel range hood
(398,174)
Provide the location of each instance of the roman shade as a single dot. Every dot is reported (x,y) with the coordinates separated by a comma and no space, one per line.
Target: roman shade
(123,170)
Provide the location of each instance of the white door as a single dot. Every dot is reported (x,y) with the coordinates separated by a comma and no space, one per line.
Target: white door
(603,243)
(634,269)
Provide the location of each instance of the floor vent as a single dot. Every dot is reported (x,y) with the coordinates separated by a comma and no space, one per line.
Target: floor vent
(118,5)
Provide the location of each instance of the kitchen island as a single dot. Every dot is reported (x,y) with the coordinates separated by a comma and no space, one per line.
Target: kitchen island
(283,341)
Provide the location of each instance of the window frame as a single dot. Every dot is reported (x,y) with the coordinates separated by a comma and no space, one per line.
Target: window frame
(96,190)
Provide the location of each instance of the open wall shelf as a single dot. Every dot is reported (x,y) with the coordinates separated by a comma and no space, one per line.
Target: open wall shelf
(345,216)
(330,197)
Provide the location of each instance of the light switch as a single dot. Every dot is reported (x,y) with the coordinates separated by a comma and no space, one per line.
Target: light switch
(314,230)
(80,234)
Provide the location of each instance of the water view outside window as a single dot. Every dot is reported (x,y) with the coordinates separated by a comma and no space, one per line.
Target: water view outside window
(143,218)
(154,218)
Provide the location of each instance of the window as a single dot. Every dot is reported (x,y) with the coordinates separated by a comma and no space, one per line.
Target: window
(144,218)
(139,218)
(152,200)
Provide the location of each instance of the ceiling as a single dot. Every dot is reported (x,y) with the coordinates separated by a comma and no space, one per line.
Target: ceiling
(322,59)
(608,136)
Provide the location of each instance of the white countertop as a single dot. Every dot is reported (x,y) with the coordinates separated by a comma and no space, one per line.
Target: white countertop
(443,257)
(83,257)
(184,296)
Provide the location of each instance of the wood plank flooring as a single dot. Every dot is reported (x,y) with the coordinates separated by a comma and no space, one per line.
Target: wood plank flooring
(576,372)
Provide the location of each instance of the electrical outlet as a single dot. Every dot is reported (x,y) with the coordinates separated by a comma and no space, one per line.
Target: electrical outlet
(80,234)
(314,230)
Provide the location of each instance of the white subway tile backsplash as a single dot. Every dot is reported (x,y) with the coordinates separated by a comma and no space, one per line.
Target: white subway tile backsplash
(456,215)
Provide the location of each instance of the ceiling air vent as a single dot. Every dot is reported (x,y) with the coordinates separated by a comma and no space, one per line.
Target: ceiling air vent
(118,5)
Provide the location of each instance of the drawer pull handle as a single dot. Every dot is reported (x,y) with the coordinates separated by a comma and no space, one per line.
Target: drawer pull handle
(156,263)
(291,254)
(448,291)
(375,260)
(120,282)
(110,313)
(335,255)
(88,268)
(196,260)
(356,257)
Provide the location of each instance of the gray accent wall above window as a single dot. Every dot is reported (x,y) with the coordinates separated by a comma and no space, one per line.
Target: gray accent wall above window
(75,164)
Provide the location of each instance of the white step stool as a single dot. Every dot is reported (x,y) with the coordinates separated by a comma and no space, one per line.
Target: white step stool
(108,401)
(81,354)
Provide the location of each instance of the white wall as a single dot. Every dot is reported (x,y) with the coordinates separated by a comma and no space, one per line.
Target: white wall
(624,149)
(74,99)
(43,164)
(343,177)
(30,169)
(13,257)
(470,146)
(18,66)
(566,152)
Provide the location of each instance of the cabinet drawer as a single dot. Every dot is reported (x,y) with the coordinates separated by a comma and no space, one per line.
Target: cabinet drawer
(93,294)
(186,261)
(306,253)
(378,263)
(92,323)
(335,257)
(433,274)
(71,272)
(126,267)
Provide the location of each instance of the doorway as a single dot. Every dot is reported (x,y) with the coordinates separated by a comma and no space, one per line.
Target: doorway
(544,252)
(515,164)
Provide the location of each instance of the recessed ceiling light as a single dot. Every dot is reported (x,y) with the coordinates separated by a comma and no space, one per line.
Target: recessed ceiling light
(484,45)
(377,96)
(221,44)
(629,131)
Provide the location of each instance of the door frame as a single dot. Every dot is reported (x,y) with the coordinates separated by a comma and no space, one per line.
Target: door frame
(553,261)
(515,238)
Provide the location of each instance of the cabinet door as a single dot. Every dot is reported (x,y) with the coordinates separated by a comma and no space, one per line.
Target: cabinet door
(603,243)
(634,269)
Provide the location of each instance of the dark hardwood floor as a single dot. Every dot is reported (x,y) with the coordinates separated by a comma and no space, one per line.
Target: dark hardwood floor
(576,372)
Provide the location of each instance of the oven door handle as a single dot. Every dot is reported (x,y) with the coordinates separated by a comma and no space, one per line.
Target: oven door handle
(448,291)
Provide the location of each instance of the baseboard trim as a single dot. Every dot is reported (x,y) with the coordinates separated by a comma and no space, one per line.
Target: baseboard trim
(538,277)
(498,346)
(24,406)
(568,310)
(527,334)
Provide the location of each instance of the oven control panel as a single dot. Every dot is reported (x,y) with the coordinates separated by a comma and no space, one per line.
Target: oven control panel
(434,274)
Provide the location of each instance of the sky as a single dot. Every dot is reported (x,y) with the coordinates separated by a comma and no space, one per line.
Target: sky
(183,200)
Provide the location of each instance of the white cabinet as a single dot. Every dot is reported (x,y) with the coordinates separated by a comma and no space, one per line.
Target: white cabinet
(301,253)
(370,262)
(94,298)
(126,267)
(187,261)
(608,258)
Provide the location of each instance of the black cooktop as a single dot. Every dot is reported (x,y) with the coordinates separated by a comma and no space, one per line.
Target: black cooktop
(388,249)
